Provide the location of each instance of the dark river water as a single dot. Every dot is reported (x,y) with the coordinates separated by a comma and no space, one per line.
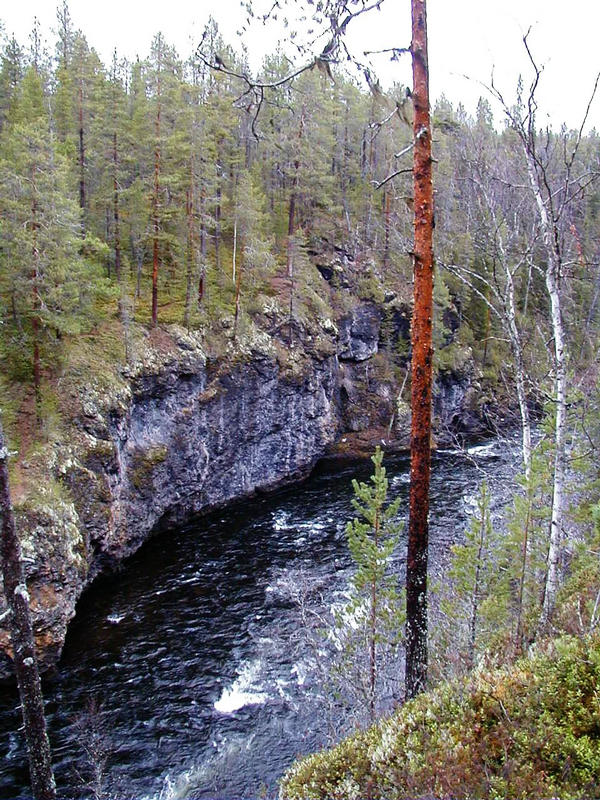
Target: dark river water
(186,673)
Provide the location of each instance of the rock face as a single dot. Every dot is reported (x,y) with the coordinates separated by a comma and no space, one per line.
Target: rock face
(359,333)
(186,443)
(178,435)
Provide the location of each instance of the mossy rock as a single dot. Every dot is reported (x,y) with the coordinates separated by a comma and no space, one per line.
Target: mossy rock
(143,464)
(456,358)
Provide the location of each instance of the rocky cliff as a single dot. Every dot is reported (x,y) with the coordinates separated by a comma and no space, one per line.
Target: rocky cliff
(178,433)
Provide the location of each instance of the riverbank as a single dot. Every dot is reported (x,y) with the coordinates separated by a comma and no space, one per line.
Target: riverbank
(194,653)
(177,432)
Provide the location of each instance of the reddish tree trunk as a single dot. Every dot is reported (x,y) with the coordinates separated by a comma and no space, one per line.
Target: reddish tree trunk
(422,357)
(24,657)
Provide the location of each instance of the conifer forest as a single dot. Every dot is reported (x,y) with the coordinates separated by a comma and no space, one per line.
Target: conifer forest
(299,422)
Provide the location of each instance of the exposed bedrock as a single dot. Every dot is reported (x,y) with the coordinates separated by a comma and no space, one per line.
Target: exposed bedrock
(177,435)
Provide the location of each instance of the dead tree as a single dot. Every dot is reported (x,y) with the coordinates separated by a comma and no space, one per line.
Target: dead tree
(553,196)
(422,363)
(24,657)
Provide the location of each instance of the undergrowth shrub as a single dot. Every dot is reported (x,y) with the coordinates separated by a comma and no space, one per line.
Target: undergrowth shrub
(523,732)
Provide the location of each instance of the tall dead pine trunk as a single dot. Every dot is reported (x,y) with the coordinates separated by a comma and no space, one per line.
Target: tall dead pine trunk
(26,668)
(422,357)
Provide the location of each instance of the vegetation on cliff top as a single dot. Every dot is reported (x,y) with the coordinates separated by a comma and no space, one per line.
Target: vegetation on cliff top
(531,731)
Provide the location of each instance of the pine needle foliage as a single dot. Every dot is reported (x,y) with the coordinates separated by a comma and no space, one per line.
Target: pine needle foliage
(374,610)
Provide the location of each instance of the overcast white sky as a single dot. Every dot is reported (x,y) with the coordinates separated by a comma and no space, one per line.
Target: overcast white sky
(466,38)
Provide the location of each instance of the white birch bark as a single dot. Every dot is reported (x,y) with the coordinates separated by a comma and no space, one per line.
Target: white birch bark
(560,390)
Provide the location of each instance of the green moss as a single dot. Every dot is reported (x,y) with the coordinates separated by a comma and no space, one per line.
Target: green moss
(528,731)
(143,464)
(370,288)
(454,358)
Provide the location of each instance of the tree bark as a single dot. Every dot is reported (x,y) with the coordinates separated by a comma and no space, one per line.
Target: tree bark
(422,359)
(21,629)
(550,237)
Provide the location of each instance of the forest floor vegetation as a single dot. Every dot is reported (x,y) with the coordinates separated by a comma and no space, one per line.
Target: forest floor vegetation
(526,731)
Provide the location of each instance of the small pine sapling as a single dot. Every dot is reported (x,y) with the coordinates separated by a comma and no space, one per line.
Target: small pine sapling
(374,612)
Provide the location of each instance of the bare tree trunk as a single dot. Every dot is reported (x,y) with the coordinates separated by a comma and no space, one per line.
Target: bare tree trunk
(21,629)
(510,311)
(549,234)
(422,360)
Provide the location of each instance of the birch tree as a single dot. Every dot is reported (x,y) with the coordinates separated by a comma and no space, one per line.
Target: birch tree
(554,191)
(505,238)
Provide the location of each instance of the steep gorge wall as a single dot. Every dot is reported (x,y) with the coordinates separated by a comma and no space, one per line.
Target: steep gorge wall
(179,435)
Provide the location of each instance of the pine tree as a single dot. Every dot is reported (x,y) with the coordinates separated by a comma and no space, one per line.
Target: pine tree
(372,540)
(11,74)
(42,270)
(468,584)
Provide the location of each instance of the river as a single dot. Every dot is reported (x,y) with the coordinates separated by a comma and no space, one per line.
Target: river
(186,672)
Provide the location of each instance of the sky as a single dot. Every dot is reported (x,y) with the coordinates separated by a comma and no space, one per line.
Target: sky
(469,40)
